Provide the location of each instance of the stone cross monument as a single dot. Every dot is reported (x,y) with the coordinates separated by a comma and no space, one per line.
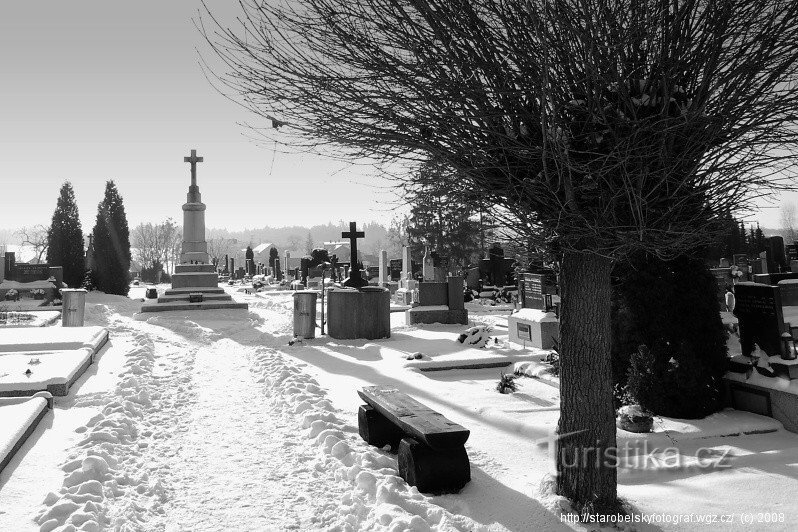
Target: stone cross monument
(355,280)
(195,248)
(195,282)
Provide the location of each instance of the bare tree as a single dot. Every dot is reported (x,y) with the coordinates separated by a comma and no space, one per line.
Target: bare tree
(35,237)
(788,222)
(617,126)
(220,246)
(156,245)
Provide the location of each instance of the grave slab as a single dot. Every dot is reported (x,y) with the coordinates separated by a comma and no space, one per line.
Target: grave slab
(19,418)
(51,371)
(52,339)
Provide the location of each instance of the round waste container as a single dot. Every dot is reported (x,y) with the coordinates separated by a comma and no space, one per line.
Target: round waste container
(305,313)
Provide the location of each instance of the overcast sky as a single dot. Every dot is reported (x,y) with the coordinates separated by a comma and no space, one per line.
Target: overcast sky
(93,90)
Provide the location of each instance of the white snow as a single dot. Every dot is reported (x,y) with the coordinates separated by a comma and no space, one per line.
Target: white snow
(211,421)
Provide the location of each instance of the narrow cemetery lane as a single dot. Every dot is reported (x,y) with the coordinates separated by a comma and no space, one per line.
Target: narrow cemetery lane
(241,463)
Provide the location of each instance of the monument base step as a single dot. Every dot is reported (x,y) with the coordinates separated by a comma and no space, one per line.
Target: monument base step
(185,305)
(192,290)
(185,297)
(195,268)
(198,279)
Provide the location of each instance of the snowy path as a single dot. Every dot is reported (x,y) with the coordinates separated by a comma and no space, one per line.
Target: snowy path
(210,427)
(238,463)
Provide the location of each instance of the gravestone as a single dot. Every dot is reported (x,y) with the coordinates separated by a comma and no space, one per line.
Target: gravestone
(354,280)
(439,303)
(724,263)
(788,288)
(760,318)
(9,260)
(498,273)
(536,290)
(287,264)
(195,281)
(722,278)
(472,278)
(428,266)
(791,251)
(373,274)
(774,254)
(396,269)
(432,293)
(382,275)
(28,273)
(2,264)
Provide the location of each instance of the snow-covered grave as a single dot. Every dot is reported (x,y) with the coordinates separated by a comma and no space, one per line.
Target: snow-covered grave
(210,420)
(41,318)
(19,417)
(46,359)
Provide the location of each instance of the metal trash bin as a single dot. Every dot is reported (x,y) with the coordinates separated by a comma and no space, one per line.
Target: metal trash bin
(73,307)
(305,313)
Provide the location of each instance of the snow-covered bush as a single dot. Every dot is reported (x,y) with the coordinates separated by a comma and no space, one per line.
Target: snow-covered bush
(633,418)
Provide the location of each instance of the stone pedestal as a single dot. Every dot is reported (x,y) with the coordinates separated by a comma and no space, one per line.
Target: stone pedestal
(363,313)
(439,303)
(534,328)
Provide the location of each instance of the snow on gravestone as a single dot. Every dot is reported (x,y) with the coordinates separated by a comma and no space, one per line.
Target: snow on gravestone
(759,313)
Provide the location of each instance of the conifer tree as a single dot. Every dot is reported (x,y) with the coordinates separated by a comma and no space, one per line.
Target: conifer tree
(112,244)
(65,238)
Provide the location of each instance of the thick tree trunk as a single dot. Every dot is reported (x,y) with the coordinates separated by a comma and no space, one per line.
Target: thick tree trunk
(586,464)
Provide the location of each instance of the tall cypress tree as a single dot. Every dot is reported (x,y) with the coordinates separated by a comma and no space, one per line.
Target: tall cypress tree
(65,238)
(112,244)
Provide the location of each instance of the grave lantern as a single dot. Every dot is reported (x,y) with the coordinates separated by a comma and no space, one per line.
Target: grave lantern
(789,346)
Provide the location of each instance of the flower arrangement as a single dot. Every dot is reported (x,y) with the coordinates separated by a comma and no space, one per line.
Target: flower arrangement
(37,293)
(12,295)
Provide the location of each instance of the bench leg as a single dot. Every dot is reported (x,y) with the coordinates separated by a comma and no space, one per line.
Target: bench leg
(375,428)
(433,471)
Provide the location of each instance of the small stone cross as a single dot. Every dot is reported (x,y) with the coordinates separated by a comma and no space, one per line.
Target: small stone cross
(193,159)
(355,280)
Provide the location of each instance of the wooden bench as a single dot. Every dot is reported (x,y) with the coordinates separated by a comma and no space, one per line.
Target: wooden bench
(431,449)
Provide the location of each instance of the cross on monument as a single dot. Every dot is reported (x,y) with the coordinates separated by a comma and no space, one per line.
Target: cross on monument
(193,159)
(355,280)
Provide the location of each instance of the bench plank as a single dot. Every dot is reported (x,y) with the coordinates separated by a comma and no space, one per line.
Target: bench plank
(414,418)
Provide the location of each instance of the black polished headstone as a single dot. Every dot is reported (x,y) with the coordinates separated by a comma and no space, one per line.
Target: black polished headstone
(534,287)
(395,269)
(760,317)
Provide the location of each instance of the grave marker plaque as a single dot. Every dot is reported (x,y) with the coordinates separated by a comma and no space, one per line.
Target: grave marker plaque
(27,273)
(534,289)
(761,322)
(396,269)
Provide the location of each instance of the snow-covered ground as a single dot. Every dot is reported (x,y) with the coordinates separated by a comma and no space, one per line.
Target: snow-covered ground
(211,421)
